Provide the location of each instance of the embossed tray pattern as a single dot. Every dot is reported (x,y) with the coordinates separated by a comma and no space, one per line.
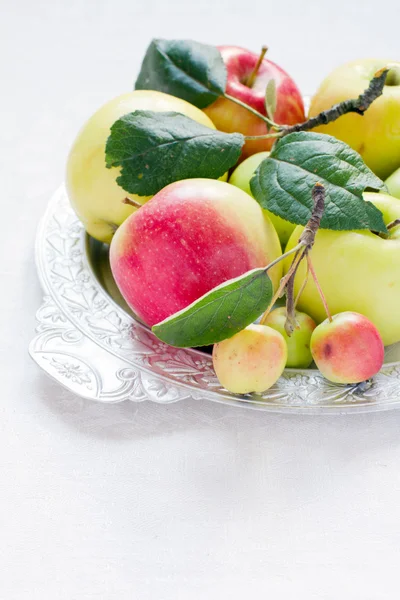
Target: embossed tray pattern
(89,342)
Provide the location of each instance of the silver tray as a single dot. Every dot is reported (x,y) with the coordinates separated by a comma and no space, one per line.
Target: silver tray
(90,342)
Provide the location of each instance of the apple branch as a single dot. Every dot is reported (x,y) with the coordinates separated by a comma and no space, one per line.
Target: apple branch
(300,251)
(310,230)
(290,323)
(358,105)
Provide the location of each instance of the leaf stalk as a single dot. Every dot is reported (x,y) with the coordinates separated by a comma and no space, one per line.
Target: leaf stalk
(252,110)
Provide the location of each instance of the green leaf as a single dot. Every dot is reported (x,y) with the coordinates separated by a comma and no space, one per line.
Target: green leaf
(283,182)
(270,98)
(220,313)
(154,149)
(183,68)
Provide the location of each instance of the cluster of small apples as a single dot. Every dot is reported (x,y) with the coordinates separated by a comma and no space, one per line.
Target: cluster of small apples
(195,234)
(347,349)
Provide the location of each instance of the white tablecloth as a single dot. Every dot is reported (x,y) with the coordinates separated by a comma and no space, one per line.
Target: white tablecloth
(191,500)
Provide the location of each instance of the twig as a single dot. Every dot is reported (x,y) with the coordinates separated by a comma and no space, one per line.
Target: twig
(300,251)
(358,105)
(290,323)
(310,230)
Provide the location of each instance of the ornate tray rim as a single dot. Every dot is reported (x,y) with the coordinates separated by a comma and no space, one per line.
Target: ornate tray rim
(93,347)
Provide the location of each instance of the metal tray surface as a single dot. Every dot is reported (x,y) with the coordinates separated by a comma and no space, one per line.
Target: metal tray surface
(90,342)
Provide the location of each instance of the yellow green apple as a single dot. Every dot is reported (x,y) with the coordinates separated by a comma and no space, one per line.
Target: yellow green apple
(241,178)
(376,135)
(250,361)
(358,271)
(92,188)
(393,183)
(298,344)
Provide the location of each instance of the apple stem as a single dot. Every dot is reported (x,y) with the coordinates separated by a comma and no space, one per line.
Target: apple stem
(252,77)
(132,202)
(283,283)
(393,224)
(283,256)
(303,285)
(284,280)
(252,110)
(321,293)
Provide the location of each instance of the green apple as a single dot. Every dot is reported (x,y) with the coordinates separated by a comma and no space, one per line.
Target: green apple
(241,178)
(298,344)
(92,188)
(358,271)
(393,184)
(376,135)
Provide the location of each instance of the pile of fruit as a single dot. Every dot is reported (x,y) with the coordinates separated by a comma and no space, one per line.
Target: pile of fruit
(219,197)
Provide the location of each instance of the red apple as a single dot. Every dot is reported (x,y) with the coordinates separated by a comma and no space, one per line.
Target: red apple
(228,116)
(347,349)
(190,237)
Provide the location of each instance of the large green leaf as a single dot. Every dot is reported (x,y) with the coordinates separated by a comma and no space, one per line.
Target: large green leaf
(283,182)
(220,313)
(154,149)
(183,68)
